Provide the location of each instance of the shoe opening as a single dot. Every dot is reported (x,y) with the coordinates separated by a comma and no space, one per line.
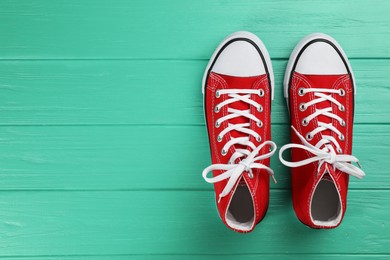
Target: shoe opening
(240,213)
(326,203)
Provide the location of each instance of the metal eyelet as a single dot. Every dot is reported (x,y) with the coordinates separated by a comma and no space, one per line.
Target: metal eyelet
(259,124)
(250,175)
(309,136)
(217,124)
(342,123)
(260,108)
(258,138)
(301,92)
(223,152)
(261,93)
(216,109)
(341,137)
(342,108)
(339,150)
(305,122)
(302,107)
(217,94)
(219,138)
(342,92)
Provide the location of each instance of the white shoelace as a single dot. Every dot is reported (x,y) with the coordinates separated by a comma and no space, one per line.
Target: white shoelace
(233,171)
(323,150)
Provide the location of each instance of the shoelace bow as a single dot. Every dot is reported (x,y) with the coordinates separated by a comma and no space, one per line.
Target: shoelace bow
(323,151)
(233,171)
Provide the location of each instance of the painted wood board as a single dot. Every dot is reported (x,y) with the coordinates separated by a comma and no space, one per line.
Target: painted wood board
(174,29)
(146,92)
(146,157)
(177,222)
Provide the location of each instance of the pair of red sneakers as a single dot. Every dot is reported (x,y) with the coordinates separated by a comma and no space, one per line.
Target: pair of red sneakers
(319,87)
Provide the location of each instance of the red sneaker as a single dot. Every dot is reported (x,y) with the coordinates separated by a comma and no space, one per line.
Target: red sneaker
(238,89)
(319,87)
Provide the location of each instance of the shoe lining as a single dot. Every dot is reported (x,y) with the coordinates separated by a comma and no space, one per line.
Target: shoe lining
(326,205)
(240,214)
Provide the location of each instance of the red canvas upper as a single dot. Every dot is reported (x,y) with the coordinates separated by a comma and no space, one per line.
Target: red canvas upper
(259,184)
(305,178)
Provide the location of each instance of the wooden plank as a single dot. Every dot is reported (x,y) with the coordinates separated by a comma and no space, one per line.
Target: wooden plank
(185,29)
(177,222)
(145,92)
(146,157)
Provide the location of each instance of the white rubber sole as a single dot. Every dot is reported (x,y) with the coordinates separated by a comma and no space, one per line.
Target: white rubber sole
(298,49)
(260,45)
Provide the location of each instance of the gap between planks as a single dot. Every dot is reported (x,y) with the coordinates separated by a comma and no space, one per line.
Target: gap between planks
(149,59)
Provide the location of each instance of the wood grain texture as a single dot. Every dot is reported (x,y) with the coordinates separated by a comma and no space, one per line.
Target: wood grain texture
(145,157)
(173,29)
(146,92)
(102,138)
(177,222)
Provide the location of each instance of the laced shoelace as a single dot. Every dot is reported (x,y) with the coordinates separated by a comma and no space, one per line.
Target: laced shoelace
(323,150)
(234,170)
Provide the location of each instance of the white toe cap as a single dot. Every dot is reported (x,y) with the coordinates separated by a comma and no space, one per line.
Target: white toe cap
(320,58)
(240,58)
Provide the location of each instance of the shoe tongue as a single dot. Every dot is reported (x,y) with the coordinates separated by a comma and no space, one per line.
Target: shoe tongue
(234,82)
(327,172)
(327,177)
(327,82)
(242,182)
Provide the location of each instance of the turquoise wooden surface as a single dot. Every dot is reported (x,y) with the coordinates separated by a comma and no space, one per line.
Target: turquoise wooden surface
(102,139)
